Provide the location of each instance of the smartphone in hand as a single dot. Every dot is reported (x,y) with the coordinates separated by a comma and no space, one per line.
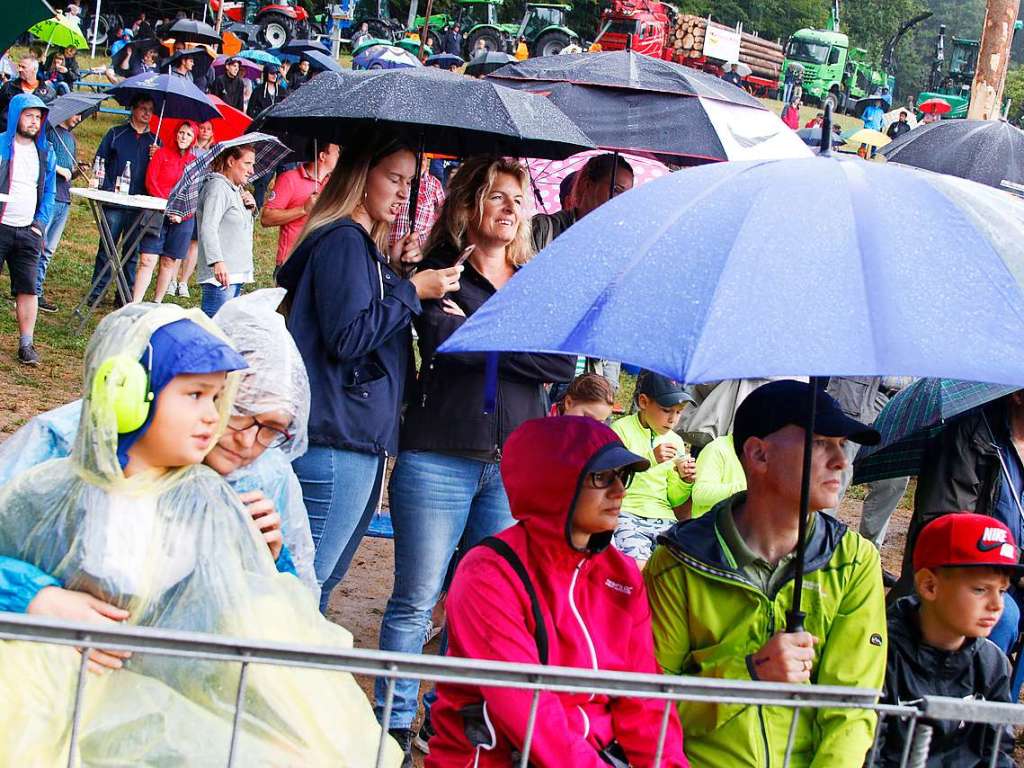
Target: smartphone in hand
(466,253)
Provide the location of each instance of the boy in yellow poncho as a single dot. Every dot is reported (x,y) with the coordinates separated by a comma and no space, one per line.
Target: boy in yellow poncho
(133,518)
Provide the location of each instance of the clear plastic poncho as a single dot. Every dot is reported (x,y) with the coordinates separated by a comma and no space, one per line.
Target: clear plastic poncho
(178,552)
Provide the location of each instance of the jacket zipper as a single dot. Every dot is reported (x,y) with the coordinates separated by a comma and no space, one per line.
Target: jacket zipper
(579,618)
(497,420)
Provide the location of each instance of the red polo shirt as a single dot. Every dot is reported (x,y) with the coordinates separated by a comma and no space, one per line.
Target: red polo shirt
(291,190)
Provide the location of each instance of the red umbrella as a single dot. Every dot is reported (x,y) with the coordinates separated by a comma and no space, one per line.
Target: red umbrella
(232,123)
(934,106)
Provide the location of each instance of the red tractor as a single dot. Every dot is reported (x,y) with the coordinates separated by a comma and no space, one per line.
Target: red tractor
(278,22)
(641,25)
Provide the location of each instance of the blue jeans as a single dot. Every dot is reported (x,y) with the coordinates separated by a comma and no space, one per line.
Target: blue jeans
(51,239)
(438,502)
(119,220)
(341,490)
(215,297)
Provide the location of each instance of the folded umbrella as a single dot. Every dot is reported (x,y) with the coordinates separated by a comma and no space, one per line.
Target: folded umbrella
(189,31)
(986,151)
(444,60)
(173,96)
(70,104)
(913,418)
(59,31)
(626,101)
(321,62)
(488,62)
(184,198)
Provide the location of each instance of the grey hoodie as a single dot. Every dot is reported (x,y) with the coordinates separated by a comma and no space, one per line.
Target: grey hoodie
(224,228)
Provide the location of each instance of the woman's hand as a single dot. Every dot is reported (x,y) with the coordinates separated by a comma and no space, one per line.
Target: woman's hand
(262,511)
(59,603)
(435,283)
(220,272)
(174,218)
(406,252)
(248,200)
(451,308)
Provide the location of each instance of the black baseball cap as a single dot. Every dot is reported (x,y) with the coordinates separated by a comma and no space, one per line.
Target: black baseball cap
(778,404)
(664,391)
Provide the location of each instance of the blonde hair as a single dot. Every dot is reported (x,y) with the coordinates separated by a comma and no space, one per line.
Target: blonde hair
(346,189)
(467,190)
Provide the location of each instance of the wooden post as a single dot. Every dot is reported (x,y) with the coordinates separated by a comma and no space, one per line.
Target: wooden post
(424,33)
(993,59)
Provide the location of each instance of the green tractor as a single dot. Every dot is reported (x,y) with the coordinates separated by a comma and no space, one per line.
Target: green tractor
(954,85)
(543,28)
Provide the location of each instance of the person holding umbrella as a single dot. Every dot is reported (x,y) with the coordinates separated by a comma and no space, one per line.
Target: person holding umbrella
(228,86)
(299,73)
(720,585)
(351,315)
(267,92)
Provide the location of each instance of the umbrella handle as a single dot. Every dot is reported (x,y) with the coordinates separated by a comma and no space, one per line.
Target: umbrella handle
(794,616)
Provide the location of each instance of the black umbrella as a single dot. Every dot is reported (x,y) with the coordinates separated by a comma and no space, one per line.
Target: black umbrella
(444,60)
(488,62)
(299,46)
(626,101)
(120,60)
(189,31)
(444,112)
(70,104)
(166,65)
(986,151)
(858,106)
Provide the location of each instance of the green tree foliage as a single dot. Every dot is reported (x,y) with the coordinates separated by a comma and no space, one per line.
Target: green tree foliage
(1015,93)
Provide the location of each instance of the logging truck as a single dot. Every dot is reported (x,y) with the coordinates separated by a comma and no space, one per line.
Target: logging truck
(658,30)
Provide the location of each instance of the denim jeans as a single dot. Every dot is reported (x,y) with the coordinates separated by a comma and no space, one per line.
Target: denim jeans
(341,490)
(119,220)
(51,239)
(215,297)
(438,502)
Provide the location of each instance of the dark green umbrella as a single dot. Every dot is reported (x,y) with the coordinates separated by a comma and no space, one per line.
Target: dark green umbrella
(17,16)
(913,418)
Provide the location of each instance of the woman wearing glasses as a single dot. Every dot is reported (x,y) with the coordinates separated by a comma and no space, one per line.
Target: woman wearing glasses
(266,431)
(551,590)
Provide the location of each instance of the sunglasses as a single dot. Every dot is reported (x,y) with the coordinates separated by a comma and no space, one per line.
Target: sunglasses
(607,477)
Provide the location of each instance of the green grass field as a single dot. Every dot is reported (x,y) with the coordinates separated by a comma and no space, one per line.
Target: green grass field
(58,378)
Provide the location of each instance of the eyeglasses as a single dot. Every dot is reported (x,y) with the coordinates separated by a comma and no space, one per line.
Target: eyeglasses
(266,435)
(606,477)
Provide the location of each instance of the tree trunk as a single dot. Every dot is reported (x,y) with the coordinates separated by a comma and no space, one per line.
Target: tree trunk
(993,59)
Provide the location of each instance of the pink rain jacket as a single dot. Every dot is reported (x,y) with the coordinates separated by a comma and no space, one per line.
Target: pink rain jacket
(594,608)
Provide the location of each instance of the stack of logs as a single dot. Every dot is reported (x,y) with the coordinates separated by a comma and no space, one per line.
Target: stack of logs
(762,56)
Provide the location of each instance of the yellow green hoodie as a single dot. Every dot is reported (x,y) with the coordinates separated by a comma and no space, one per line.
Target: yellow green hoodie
(657,492)
(719,475)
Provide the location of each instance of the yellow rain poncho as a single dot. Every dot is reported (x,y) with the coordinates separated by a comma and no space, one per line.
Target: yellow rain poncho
(178,551)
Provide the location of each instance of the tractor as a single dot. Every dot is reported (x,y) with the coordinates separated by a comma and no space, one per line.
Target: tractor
(542,27)
(277,21)
(544,30)
(954,85)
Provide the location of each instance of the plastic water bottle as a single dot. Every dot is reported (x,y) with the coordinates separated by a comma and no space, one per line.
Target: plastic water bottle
(101,175)
(126,178)
(95,181)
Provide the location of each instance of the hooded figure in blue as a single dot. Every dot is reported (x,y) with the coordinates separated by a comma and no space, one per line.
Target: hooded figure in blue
(275,381)
(46,184)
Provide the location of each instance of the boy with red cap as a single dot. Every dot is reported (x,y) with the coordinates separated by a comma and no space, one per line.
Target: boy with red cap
(938,646)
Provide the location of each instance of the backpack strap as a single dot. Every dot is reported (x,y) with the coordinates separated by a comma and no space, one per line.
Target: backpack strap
(505,552)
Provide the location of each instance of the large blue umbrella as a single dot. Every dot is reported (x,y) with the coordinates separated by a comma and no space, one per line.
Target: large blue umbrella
(876,270)
(912,419)
(260,57)
(301,46)
(173,96)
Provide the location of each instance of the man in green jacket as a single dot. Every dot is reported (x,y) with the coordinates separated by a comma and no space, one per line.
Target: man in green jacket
(720,585)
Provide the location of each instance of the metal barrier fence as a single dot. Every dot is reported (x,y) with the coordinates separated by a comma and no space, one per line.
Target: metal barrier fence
(525,676)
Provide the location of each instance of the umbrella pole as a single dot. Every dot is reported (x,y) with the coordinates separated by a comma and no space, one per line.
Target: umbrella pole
(160,122)
(794,616)
(414,195)
(615,172)
(316,166)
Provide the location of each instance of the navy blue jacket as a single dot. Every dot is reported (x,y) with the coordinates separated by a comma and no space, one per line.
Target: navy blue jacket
(122,145)
(351,318)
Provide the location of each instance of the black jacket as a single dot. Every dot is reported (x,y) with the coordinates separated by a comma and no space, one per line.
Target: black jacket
(979,670)
(262,98)
(897,129)
(12,88)
(350,316)
(446,410)
(230,90)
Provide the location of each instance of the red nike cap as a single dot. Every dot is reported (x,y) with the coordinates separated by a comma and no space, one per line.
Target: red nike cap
(966,539)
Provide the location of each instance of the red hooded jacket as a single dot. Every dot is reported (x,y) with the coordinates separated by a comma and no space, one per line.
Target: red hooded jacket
(594,608)
(168,164)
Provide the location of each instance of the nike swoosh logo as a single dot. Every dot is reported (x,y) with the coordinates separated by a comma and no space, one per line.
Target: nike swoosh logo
(988,546)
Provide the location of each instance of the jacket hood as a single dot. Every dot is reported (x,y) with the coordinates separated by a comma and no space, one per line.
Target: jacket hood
(127,332)
(19,104)
(291,271)
(195,135)
(543,467)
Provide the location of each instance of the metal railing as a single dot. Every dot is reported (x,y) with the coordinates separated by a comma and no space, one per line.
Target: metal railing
(670,689)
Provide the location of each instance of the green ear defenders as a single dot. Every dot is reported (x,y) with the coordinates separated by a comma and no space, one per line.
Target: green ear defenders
(121,386)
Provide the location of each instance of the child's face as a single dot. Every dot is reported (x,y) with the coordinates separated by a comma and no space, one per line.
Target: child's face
(241,444)
(596,410)
(969,601)
(658,417)
(183,425)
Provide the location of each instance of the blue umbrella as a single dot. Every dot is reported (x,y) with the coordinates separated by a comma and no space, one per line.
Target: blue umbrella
(260,57)
(173,96)
(321,62)
(444,60)
(912,419)
(693,275)
(302,46)
(384,57)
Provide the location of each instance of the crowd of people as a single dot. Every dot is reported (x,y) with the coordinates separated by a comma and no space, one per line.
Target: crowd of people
(223,466)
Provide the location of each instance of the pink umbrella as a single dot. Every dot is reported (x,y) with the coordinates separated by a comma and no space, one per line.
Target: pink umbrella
(250,69)
(547,175)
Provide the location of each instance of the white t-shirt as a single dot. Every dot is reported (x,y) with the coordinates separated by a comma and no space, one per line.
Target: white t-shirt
(21,209)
